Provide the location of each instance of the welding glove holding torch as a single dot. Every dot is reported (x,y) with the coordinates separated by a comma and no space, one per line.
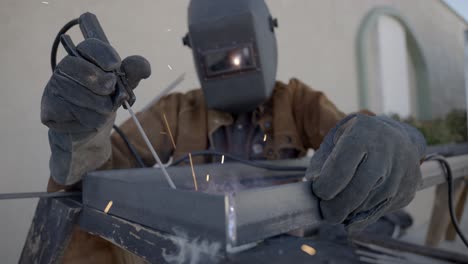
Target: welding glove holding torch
(79,108)
(365,167)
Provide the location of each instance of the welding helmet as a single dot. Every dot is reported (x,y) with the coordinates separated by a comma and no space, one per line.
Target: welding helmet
(235,53)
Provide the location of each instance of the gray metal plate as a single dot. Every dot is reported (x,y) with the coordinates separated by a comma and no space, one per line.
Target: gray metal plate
(226,209)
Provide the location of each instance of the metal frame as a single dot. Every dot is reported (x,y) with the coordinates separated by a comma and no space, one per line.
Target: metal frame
(232,218)
(433,174)
(258,214)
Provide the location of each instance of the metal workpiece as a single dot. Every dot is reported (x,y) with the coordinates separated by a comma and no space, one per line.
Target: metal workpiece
(227,177)
(231,220)
(152,245)
(402,252)
(433,173)
(265,212)
(224,209)
(234,218)
(51,230)
(236,206)
(159,247)
(151,203)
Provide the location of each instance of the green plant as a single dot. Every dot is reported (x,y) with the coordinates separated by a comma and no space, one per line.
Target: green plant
(450,129)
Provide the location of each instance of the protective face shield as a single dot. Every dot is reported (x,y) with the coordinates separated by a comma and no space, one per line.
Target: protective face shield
(234,50)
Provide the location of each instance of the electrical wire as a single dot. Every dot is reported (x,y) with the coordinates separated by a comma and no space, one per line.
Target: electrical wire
(63,30)
(241,160)
(130,146)
(448,173)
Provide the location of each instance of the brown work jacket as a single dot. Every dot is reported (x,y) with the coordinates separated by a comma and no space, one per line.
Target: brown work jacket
(295,117)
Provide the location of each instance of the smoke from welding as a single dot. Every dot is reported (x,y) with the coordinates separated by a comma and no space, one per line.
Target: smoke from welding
(192,251)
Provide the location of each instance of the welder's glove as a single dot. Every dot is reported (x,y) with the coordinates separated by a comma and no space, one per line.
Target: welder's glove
(78,107)
(365,167)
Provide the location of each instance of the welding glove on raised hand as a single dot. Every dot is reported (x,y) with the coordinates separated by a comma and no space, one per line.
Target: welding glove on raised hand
(366,167)
(79,109)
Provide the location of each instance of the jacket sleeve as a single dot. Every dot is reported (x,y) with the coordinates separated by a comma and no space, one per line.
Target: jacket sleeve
(314,113)
(155,120)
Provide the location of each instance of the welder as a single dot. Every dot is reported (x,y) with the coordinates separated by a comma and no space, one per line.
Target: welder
(364,165)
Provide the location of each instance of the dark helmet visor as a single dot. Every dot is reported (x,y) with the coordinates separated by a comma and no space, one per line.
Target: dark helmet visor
(229,61)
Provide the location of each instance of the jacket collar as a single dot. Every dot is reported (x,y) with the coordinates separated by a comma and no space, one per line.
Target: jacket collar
(217,119)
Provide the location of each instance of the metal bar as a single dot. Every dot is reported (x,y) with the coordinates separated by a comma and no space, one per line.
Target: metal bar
(266,212)
(141,197)
(146,200)
(160,247)
(433,174)
(373,241)
(50,232)
(223,210)
(151,245)
(148,143)
(27,195)
(449,150)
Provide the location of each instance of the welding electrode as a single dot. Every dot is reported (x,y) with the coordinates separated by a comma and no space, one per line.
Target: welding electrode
(148,143)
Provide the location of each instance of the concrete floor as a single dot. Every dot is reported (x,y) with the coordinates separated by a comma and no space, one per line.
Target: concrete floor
(421,208)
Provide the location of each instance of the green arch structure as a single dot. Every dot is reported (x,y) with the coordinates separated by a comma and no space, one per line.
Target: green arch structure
(423,101)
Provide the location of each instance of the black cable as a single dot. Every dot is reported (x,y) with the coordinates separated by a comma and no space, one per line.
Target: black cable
(241,160)
(63,30)
(10,196)
(449,177)
(130,146)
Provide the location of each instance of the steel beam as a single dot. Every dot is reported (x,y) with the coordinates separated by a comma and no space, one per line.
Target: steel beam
(160,247)
(224,209)
(434,175)
(152,245)
(51,230)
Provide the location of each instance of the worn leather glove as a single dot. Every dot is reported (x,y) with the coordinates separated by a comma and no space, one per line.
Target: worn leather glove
(79,109)
(366,166)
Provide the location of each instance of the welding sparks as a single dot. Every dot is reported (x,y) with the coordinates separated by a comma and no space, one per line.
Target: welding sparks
(222,159)
(264,138)
(45,3)
(207,177)
(193,172)
(236,61)
(108,207)
(169,130)
(308,249)
(169,66)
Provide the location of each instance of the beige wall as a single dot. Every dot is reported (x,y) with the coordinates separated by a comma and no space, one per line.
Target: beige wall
(316,43)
